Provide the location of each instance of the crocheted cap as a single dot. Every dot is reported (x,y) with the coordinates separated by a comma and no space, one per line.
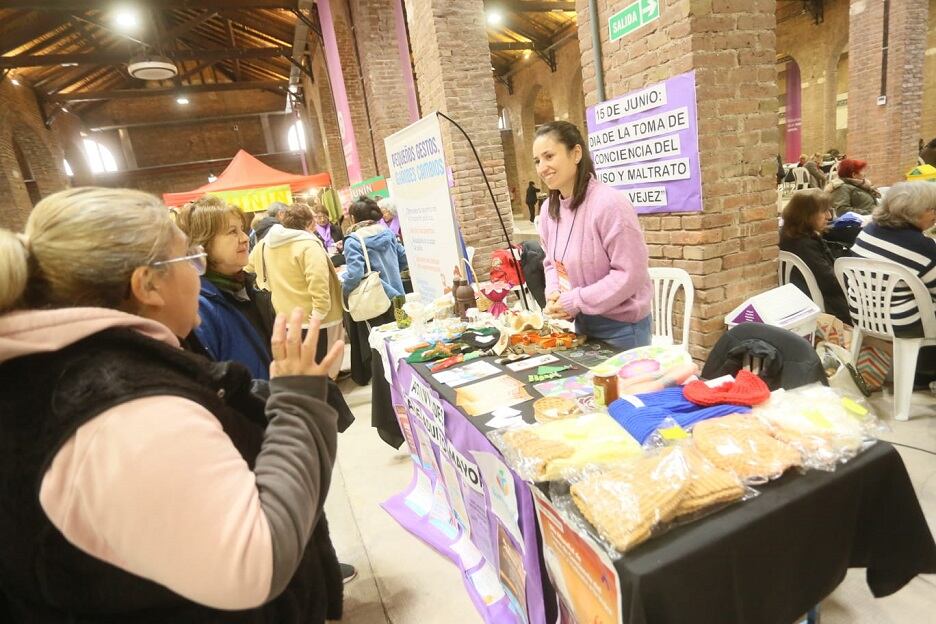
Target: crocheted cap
(747,389)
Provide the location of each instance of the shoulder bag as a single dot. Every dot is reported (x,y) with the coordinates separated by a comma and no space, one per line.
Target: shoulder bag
(368,299)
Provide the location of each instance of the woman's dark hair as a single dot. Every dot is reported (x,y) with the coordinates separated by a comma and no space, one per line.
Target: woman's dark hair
(365,209)
(802,208)
(569,135)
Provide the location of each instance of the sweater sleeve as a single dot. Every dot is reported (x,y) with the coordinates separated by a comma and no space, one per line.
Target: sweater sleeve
(627,251)
(315,267)
(547,240)
(155,487)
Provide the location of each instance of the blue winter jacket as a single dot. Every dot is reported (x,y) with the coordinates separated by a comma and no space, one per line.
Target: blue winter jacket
(227,334)
(386,254)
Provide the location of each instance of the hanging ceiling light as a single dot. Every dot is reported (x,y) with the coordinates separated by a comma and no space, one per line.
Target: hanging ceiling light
(494,17)
(126,18)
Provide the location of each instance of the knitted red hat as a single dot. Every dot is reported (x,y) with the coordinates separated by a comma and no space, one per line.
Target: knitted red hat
(747,389)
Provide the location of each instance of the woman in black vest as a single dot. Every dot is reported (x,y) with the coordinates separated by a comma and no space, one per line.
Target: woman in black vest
(142,483)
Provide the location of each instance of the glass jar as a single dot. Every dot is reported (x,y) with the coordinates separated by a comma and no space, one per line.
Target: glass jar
(605,382)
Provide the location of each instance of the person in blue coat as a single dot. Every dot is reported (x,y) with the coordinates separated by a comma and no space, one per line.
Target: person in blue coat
(386,253)
(235,316)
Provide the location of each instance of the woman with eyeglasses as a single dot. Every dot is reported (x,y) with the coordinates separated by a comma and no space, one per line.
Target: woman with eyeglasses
(141,482)
(235,317)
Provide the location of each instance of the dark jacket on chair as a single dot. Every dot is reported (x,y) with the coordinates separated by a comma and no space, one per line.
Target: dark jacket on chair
(816,254)
(787,361)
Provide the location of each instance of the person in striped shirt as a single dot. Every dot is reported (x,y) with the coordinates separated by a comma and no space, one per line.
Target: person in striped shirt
(897,233)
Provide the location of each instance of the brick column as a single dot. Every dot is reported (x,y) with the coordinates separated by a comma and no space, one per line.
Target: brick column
(453,75)
(22,129)
(351,71)
(385,86)
(886,134)
(319,97)
(730,248)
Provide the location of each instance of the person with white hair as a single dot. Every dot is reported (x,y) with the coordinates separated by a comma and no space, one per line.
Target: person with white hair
(390,217)
(896,233)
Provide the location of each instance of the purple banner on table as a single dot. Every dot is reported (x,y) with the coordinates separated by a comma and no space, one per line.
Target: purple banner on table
(466,504)
(646,144)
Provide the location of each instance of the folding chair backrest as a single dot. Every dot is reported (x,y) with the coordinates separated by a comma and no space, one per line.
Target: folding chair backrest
(869,287)
(789,261)
(802,177)
(666,284)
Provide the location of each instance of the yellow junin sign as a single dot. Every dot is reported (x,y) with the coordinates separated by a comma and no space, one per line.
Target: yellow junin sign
(256,199)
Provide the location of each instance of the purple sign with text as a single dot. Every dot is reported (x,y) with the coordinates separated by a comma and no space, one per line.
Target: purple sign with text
(466,503)
(646,144)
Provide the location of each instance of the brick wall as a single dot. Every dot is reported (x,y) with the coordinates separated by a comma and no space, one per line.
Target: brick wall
(351,70)
(318,94)
(886,135)
(816,48)
(730,248)
(22,129)
(928,123)
(453,73)
(562,87)
(174,158)
(515,186)
(384,88)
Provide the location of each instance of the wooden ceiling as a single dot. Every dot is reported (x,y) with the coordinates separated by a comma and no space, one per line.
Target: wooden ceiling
(527,31)
(72,51)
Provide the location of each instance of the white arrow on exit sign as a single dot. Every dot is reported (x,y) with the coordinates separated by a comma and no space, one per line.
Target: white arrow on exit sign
(650,10)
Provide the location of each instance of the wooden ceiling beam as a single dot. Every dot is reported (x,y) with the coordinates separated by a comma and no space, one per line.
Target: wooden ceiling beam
(111,58)
(92,5)
(525,6)
(21,37)
(88,96)
(183,27)
(250,21)
(502,46)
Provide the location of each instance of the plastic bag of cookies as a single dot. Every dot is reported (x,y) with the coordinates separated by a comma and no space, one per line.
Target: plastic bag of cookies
(744,446)
(551,450)
(826,425)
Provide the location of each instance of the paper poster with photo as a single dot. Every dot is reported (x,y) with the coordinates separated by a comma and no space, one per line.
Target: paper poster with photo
(646,144)
(419,498)
(584,577)
(456,499)
(501,493)
(440,516)
(511,570)
(403,419)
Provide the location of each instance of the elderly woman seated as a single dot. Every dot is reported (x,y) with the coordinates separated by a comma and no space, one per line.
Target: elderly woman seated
(897,234)
(805,218)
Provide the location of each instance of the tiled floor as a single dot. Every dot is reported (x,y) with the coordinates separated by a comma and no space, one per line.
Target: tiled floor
(402,581)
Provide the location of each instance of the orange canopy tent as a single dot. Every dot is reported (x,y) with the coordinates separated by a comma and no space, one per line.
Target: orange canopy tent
(246,172)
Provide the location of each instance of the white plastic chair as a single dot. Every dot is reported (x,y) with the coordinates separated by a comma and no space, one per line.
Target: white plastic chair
(666,284)
(801,174)
(869,287)
(789,261)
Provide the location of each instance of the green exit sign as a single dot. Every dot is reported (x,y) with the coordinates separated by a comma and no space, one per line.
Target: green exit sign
(632,17)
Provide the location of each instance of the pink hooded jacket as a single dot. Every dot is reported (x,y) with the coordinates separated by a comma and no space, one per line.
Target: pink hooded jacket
(118,487)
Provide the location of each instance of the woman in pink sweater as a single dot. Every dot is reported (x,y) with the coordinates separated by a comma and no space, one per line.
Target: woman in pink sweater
(596,257)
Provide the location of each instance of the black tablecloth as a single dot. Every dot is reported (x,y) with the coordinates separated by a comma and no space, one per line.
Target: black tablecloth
(766,560)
